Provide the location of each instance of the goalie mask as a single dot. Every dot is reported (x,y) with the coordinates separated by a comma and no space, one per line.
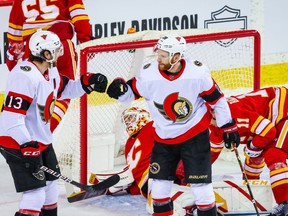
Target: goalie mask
(46,40)
(135,119)
(172,44)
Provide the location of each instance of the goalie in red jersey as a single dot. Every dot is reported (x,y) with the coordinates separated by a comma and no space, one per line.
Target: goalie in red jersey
(138,149)
(62,17)
(262,122)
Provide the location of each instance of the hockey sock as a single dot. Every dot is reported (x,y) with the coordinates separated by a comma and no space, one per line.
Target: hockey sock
(207,212)
(49,210)
(163,207)
(27,212)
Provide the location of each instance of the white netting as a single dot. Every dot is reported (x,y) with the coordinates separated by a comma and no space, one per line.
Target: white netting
(232,66)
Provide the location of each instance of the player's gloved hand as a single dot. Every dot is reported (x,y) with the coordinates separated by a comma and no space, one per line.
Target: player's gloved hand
(94,82)
(31,155)
(117,88)
(252,151)
(14,52)
(231,134)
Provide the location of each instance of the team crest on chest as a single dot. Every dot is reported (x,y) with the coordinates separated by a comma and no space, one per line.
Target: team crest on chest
(175,108)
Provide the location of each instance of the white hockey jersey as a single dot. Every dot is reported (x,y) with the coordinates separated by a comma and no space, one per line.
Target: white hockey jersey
(177,102)
(29,102)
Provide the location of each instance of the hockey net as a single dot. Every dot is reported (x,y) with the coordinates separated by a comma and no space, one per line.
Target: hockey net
(91,137)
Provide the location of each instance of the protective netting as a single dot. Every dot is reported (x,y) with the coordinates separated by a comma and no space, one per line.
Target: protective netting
(232,65)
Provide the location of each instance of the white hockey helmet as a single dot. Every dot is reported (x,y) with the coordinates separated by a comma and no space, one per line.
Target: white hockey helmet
(172,44)
(135,119)
(45,40)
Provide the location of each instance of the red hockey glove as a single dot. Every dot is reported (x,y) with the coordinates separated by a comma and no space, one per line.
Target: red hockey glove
(252,151)
(14,53)
(94,82)
(231,134)
(117,88)
(31,156)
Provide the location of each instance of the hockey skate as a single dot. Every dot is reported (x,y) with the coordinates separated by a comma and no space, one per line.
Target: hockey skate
(280,210)
(193,212)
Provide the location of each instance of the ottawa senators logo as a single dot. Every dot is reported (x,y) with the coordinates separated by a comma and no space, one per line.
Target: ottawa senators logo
(175,108)
(47,110)
(154,168)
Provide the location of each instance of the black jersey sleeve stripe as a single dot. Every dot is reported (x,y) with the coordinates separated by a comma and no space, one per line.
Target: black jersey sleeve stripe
(63,82)
(213,95)
(132,84)
(17,103)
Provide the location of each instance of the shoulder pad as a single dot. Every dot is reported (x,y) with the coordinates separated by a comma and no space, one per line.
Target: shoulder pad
(198,63)
(146,66)
(25,68)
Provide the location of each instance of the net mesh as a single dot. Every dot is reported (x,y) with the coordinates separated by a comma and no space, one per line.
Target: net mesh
(231,62)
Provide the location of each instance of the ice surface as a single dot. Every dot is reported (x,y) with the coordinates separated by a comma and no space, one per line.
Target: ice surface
(124,205)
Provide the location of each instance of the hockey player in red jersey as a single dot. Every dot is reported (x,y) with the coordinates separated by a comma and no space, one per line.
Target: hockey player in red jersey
(62,17)
(261,117)
(176,90)
(25,137)
(138,148)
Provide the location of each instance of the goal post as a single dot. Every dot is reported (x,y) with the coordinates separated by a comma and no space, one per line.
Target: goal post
(91,135)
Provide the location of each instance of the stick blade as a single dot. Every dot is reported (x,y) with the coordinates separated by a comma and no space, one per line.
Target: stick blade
(82,195)
(109,182)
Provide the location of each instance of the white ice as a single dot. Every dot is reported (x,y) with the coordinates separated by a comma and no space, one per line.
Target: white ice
(124,205)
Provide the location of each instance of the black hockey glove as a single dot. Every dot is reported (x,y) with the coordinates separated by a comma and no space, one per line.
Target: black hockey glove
(117,88)
(94,82)
(31,156)
(231,134)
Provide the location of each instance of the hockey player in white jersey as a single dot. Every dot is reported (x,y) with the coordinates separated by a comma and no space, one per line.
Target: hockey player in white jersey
(25,137)
(176,89)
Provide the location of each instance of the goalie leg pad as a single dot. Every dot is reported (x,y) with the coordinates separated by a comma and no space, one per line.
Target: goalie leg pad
(126,177)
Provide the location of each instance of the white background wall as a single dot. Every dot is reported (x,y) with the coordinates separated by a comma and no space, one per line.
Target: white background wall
(112,17)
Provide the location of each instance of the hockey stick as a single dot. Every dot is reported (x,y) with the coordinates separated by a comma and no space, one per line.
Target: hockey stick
(245,177)
(91,188)
(82,195)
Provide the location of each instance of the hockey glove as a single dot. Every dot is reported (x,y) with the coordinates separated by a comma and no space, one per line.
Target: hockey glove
(117,88)
(252,151)
(231,134)
(14,53)
(94,82)
(31,155)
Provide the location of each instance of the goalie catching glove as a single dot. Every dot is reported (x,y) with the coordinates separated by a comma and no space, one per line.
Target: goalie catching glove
(117,88)
(94,82)
(231,134)
(14,52)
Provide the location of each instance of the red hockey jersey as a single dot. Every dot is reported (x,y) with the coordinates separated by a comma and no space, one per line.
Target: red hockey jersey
(256,114)
(138,153)
(26,17)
